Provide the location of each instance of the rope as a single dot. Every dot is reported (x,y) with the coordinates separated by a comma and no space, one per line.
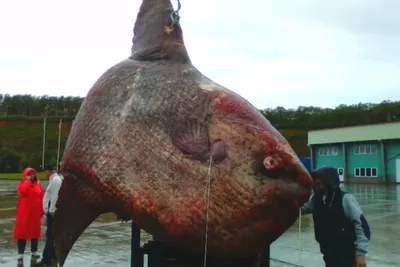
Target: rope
(208,185)
(299,240)
(174,19)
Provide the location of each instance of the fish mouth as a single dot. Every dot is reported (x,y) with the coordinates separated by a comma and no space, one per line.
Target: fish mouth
(291,181)
(297,185)
(275,165)
(300,175)
(290,173)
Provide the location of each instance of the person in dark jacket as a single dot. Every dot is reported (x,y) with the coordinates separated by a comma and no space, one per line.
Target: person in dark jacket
(339,224)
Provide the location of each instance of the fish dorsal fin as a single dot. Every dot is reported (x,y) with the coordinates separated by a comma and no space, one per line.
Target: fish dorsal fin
(151,41)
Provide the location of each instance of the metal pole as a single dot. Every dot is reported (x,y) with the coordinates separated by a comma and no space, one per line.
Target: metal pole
(135,246)
(312,157)
(383,162)
(59,141)
(44,141)
(345,159)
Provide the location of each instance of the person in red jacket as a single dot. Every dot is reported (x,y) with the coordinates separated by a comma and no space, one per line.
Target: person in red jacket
(29,213)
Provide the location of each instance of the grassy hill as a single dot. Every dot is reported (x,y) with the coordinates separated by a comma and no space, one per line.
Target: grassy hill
(21,140)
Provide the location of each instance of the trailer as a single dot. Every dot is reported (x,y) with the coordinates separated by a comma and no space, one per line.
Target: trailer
(157,254)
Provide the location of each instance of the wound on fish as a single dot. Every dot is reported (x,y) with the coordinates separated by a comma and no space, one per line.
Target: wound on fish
(192,139)
(218,151)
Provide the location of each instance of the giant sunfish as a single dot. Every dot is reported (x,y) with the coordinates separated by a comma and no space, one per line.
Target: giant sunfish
(157,142)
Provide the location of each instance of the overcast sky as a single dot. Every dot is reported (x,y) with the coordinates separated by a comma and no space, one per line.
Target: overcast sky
(272,52)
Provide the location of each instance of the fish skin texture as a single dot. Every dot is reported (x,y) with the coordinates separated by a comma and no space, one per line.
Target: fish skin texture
(141,144)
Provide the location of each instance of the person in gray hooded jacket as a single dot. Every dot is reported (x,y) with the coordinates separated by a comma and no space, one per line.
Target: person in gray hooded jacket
(339,224)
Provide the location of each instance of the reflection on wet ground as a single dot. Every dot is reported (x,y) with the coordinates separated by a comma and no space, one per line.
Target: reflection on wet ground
(107,243)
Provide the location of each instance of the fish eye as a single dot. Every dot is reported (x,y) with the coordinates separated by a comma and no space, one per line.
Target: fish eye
(269,162)
(265,167)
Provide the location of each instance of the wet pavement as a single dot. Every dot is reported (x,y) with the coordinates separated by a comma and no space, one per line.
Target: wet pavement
(107,242)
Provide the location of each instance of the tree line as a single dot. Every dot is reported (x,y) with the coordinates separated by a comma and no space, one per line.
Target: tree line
(301,118)
(311,118)
(21,125)
(28,105)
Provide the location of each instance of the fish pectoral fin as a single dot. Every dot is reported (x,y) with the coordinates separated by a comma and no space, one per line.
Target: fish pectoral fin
(192,139)
(219,151)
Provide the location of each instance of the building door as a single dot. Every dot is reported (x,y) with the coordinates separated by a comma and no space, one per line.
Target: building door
(398,170)
(341,174)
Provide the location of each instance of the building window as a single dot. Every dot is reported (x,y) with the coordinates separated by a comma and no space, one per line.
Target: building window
(328,151)
(365,149)
(365,172)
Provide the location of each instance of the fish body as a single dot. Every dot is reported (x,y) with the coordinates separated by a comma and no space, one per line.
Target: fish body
(158,142)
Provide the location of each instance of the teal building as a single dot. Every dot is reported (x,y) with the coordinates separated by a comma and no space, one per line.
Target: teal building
(361,154)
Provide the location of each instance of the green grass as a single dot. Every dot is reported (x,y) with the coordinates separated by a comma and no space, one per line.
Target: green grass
(16,176)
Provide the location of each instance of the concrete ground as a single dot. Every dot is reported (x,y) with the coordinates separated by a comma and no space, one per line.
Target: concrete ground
(106,242)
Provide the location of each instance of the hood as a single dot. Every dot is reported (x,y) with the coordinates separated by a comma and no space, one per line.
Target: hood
(25,172)
(328,175)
